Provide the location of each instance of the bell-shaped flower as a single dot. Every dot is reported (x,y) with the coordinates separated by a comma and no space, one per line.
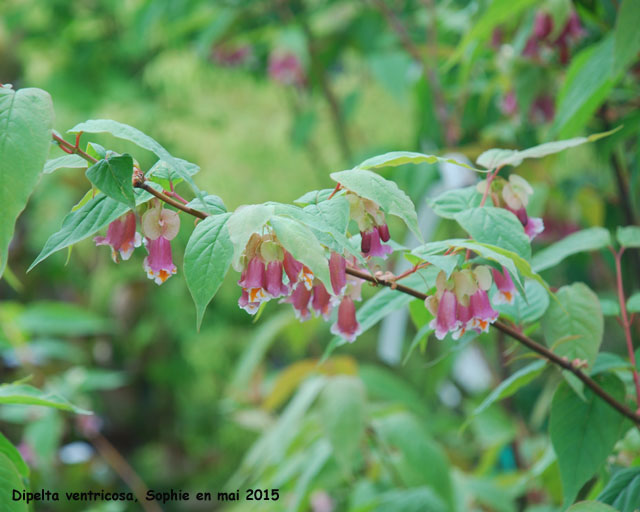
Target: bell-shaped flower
(446,315)
(159,226)
(159,263)
(121,236)
(253,281)
(347,325)
(506,288)
(481,311)
(297,272)
(337,271)
(299,299)
(371,244)
(321,300)
(533,227)
(244,303)
(274,285)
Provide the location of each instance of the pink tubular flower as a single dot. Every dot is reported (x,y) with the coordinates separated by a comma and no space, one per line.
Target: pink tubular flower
(446,317)
(249,307)
(274,285)
(159,226)
(299,299)
(297,272)
(506,288)
(286,68)
(253,281)
(482,312)
(121,236)
(337,271)
(159,263)
(321,301)
(347,325)
(371,245)
(533,227)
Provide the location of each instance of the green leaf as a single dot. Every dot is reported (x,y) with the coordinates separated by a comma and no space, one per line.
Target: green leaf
(64,162)
(626,37)
(628,236)
(419,499)
(11,452)
(586,86)
(26,119)
(591,239)
(342,415)
(591,506)
(386,193)
(583,433)
(527,308)
(395,158)
(113,177)
(303,246)
(420,460)
(213,204)
(512,384)
(610,307)
(25,394)
(493,158)
(633,303)
(573,325)
(623,490)
(607,361)
(10,479)
(315,196)
(206,260)
(451,202)
(496,226)
(498,12)
(124,131)
(88,220)
(163,174)
(243,223)
(335,213)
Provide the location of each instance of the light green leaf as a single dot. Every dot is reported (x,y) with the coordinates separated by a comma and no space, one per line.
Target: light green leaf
(591,239)
(623,490)
(315,196)
(633,303)
(212,204)
(512,384)
(586,86)
(395,158)
(610,307)
(583,433)
(206,260)
(163,173)
(51,318)
(626,37)
(25,394)
(493,158)
(64,162)
(418,499)
(335,213)
(342,415)
(243,223)
(628,236)
(113,177)
(496,226)
(573,325)
(88,220)
(451,202)
(527,308)
(591,506)
(10,479)
(303,246)
(124,131)
(386,193)
(26,120)
(11,452)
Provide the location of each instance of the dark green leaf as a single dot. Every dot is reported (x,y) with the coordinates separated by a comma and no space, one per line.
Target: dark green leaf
(626,38)
(26,119)
(12,453)
(10,479)
(583,432)
(113,177)
(206,260)
(623,490)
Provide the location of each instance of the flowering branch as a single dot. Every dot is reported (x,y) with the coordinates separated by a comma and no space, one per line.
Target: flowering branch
(564,363)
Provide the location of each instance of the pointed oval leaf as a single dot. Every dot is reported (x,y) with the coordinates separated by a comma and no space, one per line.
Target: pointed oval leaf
(395,158)
(112,176)
(64,162)
(26,120)
(25,394)
(591,239)
(623,490)
(206,260)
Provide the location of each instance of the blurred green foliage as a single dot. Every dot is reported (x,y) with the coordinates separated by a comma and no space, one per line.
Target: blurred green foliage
(238,404)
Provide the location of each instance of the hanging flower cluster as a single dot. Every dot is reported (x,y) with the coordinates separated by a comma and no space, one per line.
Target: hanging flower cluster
(543,30)
(269,271)
(461,302)
(514,196)
(159,226)
(372,225)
